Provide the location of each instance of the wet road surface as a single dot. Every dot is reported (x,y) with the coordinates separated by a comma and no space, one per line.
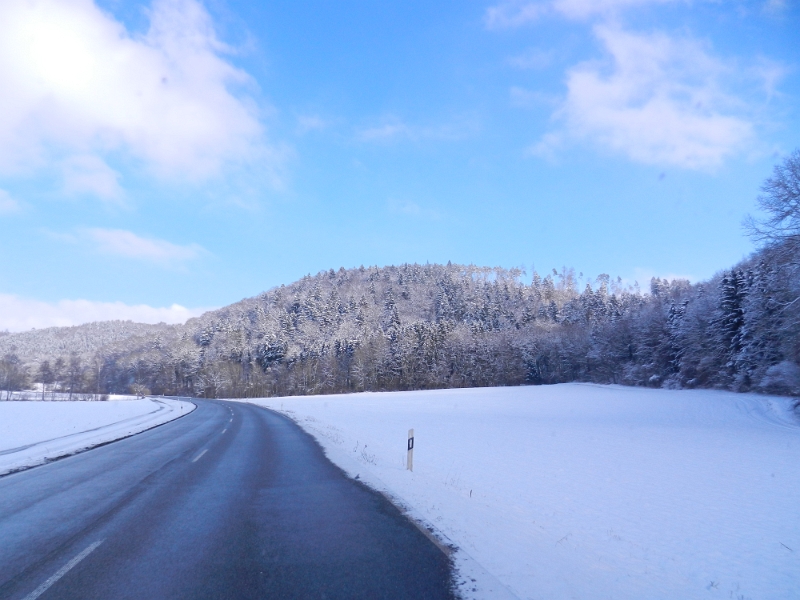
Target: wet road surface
(231,501)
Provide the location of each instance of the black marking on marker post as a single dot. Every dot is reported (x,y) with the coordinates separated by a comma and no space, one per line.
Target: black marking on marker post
(411,443)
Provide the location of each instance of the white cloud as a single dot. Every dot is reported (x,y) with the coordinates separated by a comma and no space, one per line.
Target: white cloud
(306,123)
(514,14)
(386,131)
(88,174)
(129,245)
(656,99)
(21,314)
(775,6)
(769,73)
(517,13)
(75,83)
(392,129)
(8,204)
(582,9)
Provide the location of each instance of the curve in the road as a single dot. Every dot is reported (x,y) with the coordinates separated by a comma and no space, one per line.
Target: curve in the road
(232,501)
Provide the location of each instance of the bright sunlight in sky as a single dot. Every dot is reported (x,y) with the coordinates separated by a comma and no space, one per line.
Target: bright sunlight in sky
(161,157)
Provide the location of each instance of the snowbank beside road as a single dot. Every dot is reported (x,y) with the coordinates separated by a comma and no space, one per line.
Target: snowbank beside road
(32,433)
(584,491)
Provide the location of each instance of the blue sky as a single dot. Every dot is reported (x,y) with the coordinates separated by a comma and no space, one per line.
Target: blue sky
(158,158)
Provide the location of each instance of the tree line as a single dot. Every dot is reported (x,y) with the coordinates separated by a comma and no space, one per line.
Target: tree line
(442,326)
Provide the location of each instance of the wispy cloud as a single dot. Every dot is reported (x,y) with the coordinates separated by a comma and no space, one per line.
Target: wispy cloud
(84,87)
(21,314)
(307,123)
(8,204)
(582,9)
(775,6)
(386,131)
(516,13)
(393,129)
(127,244)
(412,209)
(88,174)
(769,73)
(657,99)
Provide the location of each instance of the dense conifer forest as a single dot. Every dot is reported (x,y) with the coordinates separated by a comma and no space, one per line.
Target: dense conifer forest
(441,326)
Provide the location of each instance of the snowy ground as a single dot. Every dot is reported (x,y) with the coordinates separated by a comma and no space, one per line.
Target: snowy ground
(584,491)
(33,433)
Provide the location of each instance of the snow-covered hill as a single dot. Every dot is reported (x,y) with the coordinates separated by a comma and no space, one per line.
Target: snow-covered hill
(586,491)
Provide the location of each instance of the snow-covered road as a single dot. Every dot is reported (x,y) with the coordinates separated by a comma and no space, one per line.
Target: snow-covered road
(585,491)
(32,433)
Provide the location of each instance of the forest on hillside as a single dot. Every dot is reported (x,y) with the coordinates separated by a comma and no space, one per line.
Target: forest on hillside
(442,326)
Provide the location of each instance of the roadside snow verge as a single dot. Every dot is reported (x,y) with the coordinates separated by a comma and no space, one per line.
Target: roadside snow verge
(35,433)
(473,581)
(583,491)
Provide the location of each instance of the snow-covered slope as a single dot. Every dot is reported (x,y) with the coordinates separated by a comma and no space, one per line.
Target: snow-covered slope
(586,491)
(33,433)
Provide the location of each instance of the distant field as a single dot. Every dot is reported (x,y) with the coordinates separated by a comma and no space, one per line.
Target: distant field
(586,491)
(35,432)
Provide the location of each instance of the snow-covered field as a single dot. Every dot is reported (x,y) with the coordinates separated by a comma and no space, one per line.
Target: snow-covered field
(32,433)
(585,491)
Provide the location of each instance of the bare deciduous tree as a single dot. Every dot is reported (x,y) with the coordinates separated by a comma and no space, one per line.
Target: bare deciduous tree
(780,200)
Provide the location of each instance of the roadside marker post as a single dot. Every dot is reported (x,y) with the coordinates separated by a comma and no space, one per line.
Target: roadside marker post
(410,459)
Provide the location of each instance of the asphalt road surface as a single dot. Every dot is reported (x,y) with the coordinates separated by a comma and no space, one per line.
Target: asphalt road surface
(231,501)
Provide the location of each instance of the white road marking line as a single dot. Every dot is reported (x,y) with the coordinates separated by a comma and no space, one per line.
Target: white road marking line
(196,458)
(224,430)
(61,572)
